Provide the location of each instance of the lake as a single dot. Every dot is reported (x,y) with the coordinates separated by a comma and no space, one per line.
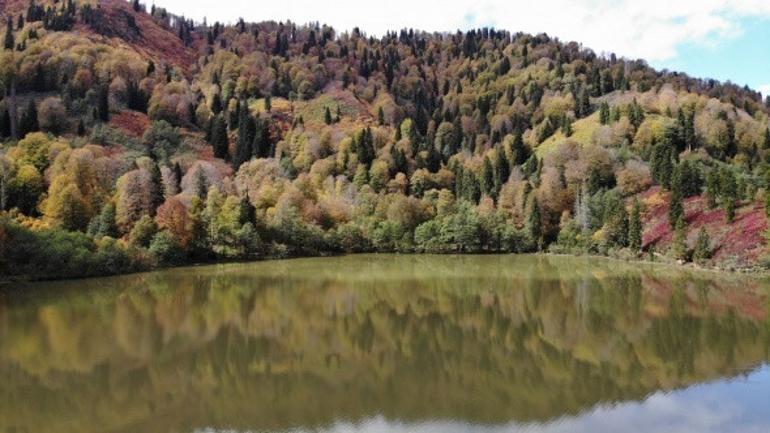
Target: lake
(390,343)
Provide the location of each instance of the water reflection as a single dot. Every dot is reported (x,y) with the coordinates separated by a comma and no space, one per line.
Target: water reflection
(387,343)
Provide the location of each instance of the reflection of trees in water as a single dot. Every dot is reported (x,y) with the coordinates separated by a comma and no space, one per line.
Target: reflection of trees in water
(302,342)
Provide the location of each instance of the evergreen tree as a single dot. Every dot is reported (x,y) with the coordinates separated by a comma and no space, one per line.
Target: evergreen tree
(728,192)
(219,141)
(766,141)
(327,116)
(177,175)
(702,250)
(365,147)
(679,244)
(584,103)
(216,104)
(635,228)
(29,122)
(262,146)
(106,222)
(201,184)
(380,116)
(247,130)
(519,152)
(534,224)
(9,40)
(604,113)
(487,178)
(268,103)
(104,104)
(156,193)
(676,205)
(712,188)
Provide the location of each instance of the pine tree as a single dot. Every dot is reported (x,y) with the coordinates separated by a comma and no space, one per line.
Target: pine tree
(177,177)
(216,103)
(604,113)
(712,188)
(380,116)
(29,122)
(766,142)
(519,151)
(104,104)
(702,250)
(107,225)
(487,178)
(534,225)
(247,130)
(262,145)
(676,205)
(219,140)
(327,116)
(201,184)
(679,245)
(728,192)
(635,228)
(9,40)
(157,189)
(584,104)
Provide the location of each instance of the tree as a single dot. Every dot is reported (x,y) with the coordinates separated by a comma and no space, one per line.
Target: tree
(143,231)
(702,250)
(219,141)
(173,217)
(201,184)
(157,189)
(534,224)
(29,122)
(8,76)
(105,224)
(676,205)
(327,116)
(728,193)
(635,228)
(712,188)
(9,41)
(247,130)
(604,113)
(103,103)
(53,116)
(679,245)
(487,178)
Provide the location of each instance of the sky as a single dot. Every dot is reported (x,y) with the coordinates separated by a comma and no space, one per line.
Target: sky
(720,39)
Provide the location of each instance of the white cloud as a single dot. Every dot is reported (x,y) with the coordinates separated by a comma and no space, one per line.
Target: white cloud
(765,89)
(650,29)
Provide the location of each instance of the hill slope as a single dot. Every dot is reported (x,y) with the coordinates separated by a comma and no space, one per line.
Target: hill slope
(134,138)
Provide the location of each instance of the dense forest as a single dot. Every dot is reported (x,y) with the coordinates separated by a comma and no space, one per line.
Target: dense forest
(135,138)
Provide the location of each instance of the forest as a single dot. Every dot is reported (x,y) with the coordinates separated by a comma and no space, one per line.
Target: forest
(133,138)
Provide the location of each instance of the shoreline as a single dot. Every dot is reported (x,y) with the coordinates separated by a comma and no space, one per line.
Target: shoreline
(755,272)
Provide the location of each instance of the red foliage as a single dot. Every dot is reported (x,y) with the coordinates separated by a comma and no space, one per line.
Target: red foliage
(741,242)
(131,122)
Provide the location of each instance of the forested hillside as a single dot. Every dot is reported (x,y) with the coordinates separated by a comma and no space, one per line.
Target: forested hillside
(134,138)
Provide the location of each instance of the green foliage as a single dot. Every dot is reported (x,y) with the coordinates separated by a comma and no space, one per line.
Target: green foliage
(56,253)
(702,250)
(635,228)
(165,248)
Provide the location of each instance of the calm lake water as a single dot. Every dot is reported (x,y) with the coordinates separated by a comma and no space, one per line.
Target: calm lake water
(385,343)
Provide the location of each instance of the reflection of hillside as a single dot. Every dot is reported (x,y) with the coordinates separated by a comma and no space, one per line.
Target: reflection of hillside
(304,342)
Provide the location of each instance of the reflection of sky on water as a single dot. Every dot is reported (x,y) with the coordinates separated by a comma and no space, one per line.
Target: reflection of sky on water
(739,405)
